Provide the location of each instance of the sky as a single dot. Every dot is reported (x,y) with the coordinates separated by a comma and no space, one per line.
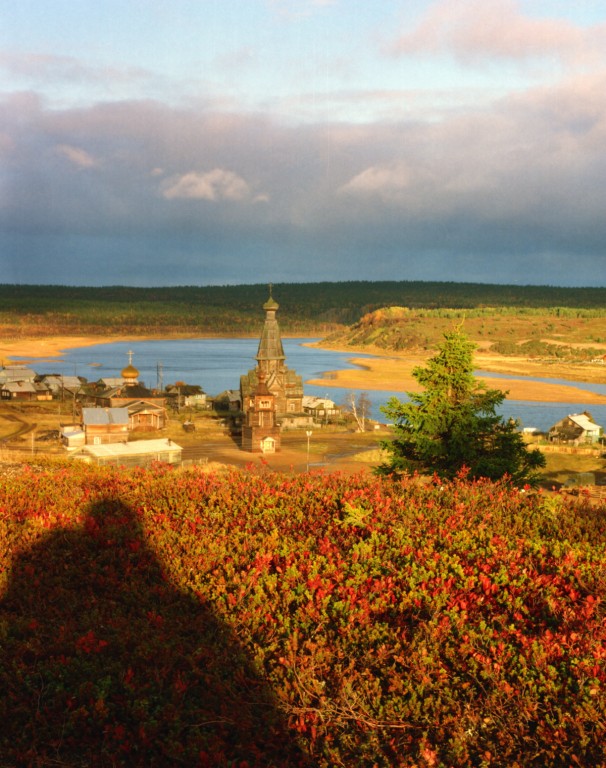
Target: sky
(203,142)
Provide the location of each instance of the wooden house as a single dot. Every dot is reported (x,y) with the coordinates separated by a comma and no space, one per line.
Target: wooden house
(320,408)
(10,373)
(105,425)
(576,428)
(19,390)
(144,416)
(186,395)
(57,383)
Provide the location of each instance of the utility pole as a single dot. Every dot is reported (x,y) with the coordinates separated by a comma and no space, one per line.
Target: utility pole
(309,433)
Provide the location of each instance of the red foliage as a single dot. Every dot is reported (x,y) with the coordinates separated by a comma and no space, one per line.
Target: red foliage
(256,619)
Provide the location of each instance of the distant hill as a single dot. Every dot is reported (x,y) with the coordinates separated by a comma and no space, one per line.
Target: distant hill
(565,333)
(305,308)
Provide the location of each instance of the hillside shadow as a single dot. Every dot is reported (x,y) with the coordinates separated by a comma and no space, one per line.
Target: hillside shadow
(105,663)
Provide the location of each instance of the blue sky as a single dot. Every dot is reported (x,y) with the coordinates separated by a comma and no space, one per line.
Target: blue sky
(162,142)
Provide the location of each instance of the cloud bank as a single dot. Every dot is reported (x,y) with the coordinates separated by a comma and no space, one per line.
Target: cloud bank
(506,188)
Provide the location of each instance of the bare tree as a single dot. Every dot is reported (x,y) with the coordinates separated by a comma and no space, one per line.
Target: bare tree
(360,408)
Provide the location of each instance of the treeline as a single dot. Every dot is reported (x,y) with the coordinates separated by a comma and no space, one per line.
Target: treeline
(305,308)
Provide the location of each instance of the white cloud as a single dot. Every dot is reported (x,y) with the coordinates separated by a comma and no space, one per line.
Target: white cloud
(215,185)
(296,9)
(475,29)
(77,156)
(376,180)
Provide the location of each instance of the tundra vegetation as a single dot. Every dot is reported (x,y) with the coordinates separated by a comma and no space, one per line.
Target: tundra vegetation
(557,333)
(251,618)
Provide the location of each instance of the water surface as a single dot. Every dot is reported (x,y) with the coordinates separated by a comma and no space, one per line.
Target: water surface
(217,364)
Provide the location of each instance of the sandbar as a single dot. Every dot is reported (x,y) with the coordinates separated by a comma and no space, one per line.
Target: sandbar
(395,374)
(30,350)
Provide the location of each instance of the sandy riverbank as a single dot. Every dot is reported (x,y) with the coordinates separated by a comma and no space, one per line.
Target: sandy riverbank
(392,373)
(395,374)
(29,350)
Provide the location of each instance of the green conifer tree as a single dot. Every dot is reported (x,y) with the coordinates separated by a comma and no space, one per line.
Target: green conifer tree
(452,423)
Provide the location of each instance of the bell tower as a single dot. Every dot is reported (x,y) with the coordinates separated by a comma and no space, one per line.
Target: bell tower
(260,432)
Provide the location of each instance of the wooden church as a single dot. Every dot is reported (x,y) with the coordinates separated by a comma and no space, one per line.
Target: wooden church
(260,431)
(270,392)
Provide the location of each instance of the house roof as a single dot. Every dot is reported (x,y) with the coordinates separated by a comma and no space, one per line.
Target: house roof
(126,392)
(19,386)
(103,416)
(136,448)
(185,389)
(233,395)
(60,380)
(138,406)
(580,420)
(16,373)
(583,421)
(111,381)
(72,431)
(310,401)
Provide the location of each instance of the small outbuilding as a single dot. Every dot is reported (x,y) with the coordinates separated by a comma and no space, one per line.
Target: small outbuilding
(73,436)
(139,453)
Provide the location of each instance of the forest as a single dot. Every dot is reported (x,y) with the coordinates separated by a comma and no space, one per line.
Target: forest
(305,308)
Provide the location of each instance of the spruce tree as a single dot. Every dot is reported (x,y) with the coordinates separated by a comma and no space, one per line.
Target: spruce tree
(452,423)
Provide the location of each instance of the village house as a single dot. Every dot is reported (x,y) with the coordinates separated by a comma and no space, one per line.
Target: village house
(10,373)
(105,425)
(577,429)
(110,382)
(59,384)
(229,400)
(146,409)
(19,383)
(24,390)
(183,395)
(18,390)
(144,416)
(321,409)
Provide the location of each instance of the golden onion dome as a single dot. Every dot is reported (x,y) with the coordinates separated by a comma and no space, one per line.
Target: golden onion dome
(130,372)
(271,303)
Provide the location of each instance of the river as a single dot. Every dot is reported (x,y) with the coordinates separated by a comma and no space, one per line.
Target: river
(216,365)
